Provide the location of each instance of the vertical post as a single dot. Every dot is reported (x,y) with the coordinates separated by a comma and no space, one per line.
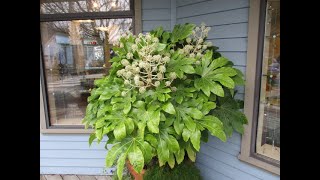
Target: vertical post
(107,50)
(173,8)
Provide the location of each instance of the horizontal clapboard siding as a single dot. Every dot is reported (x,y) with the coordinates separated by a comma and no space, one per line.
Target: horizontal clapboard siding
(229,31)
(222,157)
(156,13)
(71,154)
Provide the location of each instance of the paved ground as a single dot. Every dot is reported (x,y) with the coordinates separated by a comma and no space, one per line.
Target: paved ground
(73,177)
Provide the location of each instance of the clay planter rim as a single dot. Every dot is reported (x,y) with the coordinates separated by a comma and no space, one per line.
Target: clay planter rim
(135,174)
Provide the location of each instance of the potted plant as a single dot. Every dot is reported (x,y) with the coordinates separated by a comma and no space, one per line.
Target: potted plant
(165,92)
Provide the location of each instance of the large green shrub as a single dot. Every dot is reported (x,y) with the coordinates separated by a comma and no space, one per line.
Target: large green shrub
(165,92)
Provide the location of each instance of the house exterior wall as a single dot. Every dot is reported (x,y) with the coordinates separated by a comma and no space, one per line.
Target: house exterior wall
(229,31)
(71,154)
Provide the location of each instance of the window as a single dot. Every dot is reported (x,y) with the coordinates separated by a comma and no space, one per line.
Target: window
(76,47)
(261,141)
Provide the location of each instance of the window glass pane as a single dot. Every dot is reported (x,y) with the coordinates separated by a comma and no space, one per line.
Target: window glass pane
(74,53)
(78,6)
(268,134)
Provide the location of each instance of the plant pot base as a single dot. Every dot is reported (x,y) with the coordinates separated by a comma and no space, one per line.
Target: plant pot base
(136,175)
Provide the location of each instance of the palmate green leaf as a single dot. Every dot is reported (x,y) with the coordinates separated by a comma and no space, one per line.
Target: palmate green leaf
(151,139)
(120,131)
(120,165)
(152,118)
(135,157)
(189,123)
(182,31)
(172,143)
(99,134)
(102,111)
(161,47)
(171,161)
(113,153)
(207,86)
(214,125)
(180,156)
(238,80)
(228,112)
(129,125)
(195,139)
(163,152)
(224,80)
(191,152)
(207,106)
(91,138)
(210,75)
(227,71)
(168,107)
(178,126)
(186,133)
(146,150)
(109,92)
(165,37)
(181,65)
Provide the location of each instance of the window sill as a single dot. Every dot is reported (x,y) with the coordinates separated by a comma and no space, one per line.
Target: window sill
(261,164)
(66,131)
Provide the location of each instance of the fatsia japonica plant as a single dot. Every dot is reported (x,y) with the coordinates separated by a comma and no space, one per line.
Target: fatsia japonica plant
(164,94)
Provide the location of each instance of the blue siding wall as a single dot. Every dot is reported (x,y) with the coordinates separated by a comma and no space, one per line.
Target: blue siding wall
(71,154)
(228,20)
(156,13)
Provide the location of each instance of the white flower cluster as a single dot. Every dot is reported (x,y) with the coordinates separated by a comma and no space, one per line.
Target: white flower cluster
(196,45)
(148,66)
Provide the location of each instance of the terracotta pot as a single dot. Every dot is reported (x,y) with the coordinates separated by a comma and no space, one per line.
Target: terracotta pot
(136,175)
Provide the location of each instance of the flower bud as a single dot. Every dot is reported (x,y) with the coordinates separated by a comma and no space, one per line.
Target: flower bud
(172,75)
(166,59)
(129,55)
(188,40)
(125,62)
(149,80)
(138,40)
(209,44)
(168,83)
(160,76)
(126,82)
(157,83)
(162,69)
(136,78)
(155,40)
(142,89)
(134,47)
(174,89)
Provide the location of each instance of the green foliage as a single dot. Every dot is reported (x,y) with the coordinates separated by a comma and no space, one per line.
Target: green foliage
(167,121)
(186,171)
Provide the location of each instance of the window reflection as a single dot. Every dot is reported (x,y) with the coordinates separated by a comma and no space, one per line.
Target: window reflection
(75,53)
(268,134)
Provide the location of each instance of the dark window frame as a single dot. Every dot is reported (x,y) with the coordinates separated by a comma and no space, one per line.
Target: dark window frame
(134,6)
